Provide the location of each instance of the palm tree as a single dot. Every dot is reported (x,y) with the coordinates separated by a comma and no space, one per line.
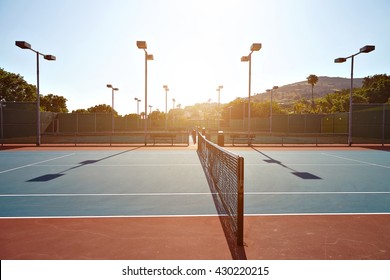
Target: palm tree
(312,79)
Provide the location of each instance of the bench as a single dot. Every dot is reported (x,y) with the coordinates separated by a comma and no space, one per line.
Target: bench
(241,137)
(163,136)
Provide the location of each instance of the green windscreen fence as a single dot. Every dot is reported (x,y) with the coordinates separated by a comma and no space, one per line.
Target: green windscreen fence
(371,122)
(18,122)
(370,125)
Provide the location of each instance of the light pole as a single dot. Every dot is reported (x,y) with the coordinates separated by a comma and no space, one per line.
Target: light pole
(254,47)
(25,45)
(219,95)
(112,106)
(270,108)
(230,116)
(142,45)
(166,106)
(243,113)
(365,49)
(138,101)
(173,112)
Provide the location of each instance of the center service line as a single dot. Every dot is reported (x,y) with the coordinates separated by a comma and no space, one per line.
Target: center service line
(32,164)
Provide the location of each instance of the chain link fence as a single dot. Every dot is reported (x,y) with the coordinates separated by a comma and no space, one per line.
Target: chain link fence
(18,125)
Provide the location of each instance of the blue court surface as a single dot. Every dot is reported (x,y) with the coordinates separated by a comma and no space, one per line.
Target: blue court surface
(171,182)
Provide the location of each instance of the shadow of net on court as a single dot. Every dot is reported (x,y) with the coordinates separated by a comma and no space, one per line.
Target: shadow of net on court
(225,175)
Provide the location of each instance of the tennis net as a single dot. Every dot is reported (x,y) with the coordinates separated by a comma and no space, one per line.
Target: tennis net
(225,173)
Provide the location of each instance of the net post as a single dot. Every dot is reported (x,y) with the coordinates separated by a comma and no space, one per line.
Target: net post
(240,202)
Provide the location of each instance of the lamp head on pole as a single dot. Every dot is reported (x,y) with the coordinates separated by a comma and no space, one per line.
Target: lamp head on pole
(255,47)
(142,45)
(245,58)
(109,85)
(340,60)
(367,49)
(23,44)
(49,57)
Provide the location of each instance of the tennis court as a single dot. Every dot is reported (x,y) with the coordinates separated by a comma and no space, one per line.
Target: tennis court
(156,203)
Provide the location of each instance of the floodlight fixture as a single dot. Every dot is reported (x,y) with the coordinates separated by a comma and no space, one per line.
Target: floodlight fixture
(23,44)
(219,110)
(166,106)
(340,60)
(367,49)
(142,45)
(255,47)
(112,106)
(49,57)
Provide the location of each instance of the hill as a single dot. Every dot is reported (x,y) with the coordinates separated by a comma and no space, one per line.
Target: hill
(296,91)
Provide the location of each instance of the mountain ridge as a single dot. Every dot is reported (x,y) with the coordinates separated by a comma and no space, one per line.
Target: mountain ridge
(302,89)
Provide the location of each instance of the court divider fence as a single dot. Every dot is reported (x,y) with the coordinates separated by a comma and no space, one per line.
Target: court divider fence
(18,125)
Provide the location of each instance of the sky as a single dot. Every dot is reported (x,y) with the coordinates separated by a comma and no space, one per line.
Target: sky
(197,46)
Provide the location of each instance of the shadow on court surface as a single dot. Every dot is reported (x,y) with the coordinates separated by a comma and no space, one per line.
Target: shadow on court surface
(49,177)
(302,175)
(225,216)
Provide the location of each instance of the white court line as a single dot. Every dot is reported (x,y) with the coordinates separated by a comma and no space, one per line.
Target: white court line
(119,165)
(102,194)
(355,160)
(320,214)
(311,193)
(179,194)
(35,163)
(110,216)
(193,215)
(306,164)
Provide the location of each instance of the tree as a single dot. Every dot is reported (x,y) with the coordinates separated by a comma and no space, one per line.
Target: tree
(132,116)
(80,111)
(102,108)
(53,103)
(157,115)
(302,106)
(14,88)
(312,79)
(236,109)
(334,102)
(377,88)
